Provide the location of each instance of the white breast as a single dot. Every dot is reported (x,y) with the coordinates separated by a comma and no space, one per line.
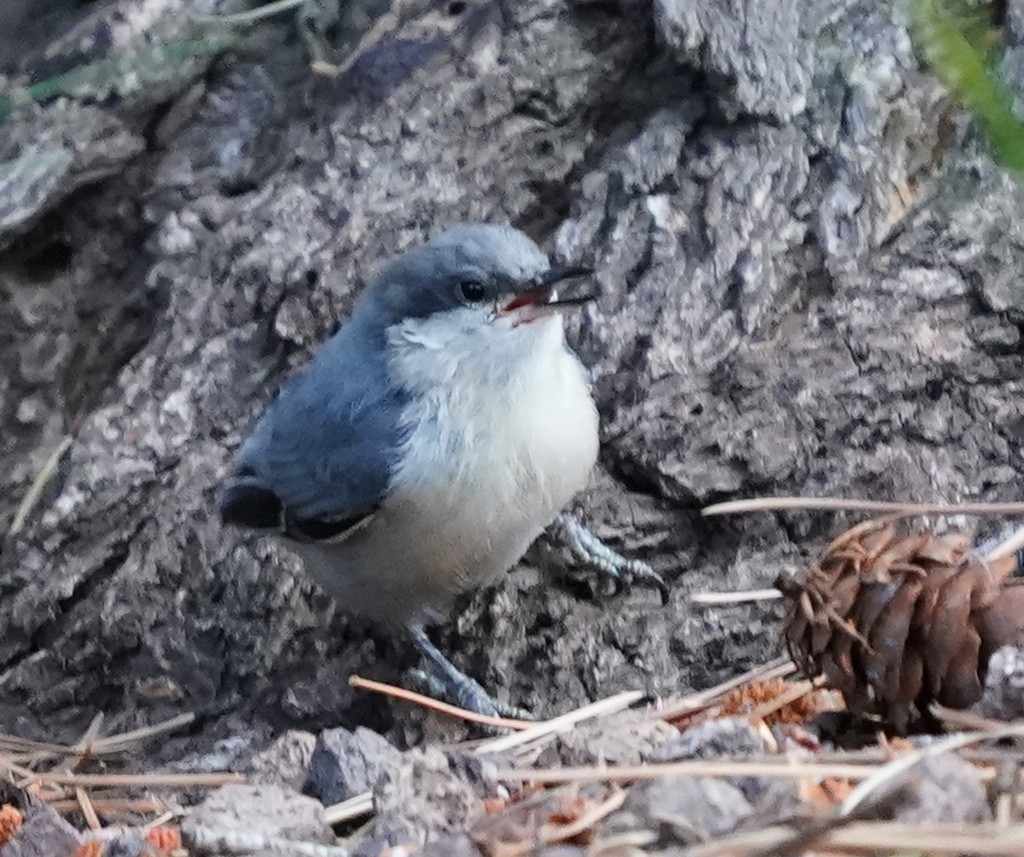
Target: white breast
(503,433)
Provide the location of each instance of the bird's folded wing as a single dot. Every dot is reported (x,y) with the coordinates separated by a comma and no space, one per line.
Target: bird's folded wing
(319,461)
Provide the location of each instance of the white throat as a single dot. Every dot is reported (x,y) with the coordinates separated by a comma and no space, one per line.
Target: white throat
(501,432)
(472,352)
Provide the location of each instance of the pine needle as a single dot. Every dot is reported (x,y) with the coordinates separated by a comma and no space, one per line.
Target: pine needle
(176,781)
(550,833)
(790,695)
(562,723)
(838,504)
(887,773)
(436,704)
(782,767)
(92,820)
(347,810)
(250,16)
(35,490)
(779,668)
(744,596)
(874,837)
(1007,547)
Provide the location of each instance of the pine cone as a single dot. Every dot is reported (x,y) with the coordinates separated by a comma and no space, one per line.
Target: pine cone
(896,620)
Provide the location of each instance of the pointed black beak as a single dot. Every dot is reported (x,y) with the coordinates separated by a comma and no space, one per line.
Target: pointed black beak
(561,273)
(540,292)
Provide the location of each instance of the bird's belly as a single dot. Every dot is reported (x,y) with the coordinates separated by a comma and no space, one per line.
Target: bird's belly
(473,519)
(470,499)
(408,564)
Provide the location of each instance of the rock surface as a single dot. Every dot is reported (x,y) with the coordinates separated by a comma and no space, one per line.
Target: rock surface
(246,813)
(428,795)
(345,764)
(694,808)
(720,738)
(43,834)
(810,276)
(1004,685)
(942,789)
(624,739)
(286,761)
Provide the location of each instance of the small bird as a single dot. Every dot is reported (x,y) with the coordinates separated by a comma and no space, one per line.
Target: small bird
(432,439)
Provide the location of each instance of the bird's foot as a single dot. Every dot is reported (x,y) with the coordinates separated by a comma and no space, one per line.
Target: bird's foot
(591,551)
(465,693)
(444,679)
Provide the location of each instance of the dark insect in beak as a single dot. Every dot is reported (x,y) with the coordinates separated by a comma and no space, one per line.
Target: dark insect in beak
(543,294)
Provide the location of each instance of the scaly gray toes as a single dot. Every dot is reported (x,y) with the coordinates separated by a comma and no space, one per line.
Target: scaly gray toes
(449,682)
(468,694)
(591,551)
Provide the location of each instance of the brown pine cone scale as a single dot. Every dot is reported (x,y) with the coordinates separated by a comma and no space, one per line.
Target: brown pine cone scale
(897,620)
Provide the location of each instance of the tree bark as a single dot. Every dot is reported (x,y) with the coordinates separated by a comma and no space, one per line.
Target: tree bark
(810,271)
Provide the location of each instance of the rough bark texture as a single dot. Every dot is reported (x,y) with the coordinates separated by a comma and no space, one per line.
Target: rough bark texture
(811,278)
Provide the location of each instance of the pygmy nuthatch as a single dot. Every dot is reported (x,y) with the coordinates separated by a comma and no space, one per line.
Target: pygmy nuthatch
(431,439)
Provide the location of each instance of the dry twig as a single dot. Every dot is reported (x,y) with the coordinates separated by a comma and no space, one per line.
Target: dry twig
(887,773)
(550,833)
(779,668)
(744,596)
(838,504)
(153,781)
(437,705)
(782,767)
(35,490)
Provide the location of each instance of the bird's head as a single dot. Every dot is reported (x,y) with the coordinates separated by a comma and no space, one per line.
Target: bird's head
(478,276)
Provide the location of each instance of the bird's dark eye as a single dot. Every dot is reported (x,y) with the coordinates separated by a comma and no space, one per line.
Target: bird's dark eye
(472,291)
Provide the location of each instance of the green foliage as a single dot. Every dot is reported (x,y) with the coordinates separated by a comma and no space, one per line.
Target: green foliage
(124,73)
(958,41)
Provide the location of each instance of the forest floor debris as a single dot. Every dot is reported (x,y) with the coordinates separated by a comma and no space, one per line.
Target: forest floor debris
(752,738)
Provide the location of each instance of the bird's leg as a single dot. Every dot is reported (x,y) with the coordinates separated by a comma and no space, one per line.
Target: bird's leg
(447,680)
(591,551)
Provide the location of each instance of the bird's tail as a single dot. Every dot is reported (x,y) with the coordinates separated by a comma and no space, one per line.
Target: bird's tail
(247,502)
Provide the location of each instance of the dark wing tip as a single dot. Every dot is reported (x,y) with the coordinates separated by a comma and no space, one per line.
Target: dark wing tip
(247,503)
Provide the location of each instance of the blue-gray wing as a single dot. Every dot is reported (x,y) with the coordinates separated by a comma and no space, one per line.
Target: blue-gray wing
(319,460)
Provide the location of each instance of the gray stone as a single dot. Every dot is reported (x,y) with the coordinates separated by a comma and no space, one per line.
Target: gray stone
(130,843)
(733,737)
(430,794)
(721,737)
(346,763)
(943,789)
(286,761)
(42,834)
(694,808)
(452,845)
(1003,697)
(623,739)
(269,811)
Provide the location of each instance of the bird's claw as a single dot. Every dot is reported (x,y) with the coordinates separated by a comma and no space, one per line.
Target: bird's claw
(591,551)
(468,694)
(444,679)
